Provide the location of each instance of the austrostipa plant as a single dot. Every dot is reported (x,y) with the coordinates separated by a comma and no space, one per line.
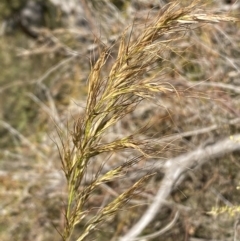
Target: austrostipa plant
(112,97)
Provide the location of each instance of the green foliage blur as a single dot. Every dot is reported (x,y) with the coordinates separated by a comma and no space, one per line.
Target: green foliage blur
(17,72)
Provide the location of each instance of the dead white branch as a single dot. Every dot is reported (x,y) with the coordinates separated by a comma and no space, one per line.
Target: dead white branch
(174,168)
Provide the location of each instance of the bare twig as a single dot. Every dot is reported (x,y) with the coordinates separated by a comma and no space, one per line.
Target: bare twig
(23,139)
(175,167)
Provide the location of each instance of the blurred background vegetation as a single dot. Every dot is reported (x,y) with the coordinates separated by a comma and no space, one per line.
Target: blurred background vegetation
(46,51)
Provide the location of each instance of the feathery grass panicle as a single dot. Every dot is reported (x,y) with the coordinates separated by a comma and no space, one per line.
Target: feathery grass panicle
(113,206)
(111,98)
